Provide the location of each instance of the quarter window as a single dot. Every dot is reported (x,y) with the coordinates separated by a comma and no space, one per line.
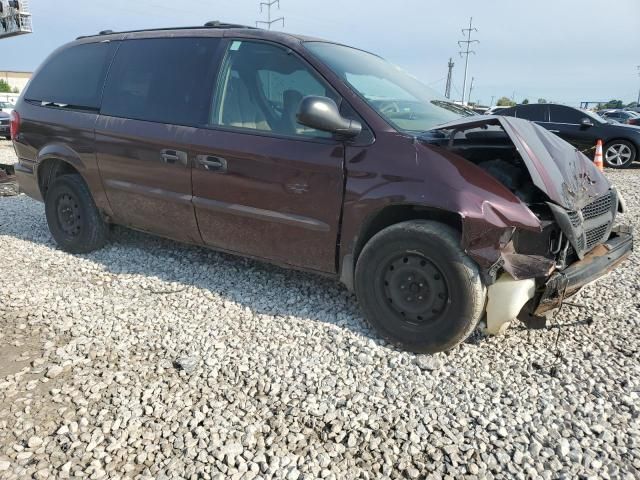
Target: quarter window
(73,76)
(260,88)
(164,80)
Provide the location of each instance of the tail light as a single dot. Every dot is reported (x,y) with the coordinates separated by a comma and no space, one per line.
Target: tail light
(15,124)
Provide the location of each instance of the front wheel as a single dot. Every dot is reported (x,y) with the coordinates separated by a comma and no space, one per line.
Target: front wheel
(418,288)
(619,154)
(73,218)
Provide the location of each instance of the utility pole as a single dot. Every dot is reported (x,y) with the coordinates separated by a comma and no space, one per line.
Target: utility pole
(447,90)
(492,97)
(471,87)
(465,53)
(269,22)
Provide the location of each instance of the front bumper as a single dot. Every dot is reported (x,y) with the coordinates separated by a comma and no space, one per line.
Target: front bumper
(595,264)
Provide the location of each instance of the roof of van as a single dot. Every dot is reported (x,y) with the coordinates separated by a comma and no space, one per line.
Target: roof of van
(213,28)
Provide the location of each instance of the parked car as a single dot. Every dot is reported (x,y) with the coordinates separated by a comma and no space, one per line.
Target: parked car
(583,129)
(316,156)
(4,125)
(6,107)
(622,116)
(494,109)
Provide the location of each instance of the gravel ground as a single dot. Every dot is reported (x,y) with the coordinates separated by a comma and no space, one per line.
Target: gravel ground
(149,359)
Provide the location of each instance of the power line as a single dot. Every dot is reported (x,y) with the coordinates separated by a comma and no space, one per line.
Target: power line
(268,22)
(465,53)
(447,89)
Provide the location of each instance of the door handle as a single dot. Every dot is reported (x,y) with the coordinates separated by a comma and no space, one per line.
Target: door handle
(213,164)
(554,131)
(173,157)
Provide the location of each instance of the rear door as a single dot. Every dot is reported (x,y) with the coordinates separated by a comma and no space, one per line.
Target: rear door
(157,93)
(565,122)
(264,185)
(537,112)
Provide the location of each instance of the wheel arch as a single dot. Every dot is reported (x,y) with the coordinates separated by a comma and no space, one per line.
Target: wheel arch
(633,141)
(49,169)
(385,217)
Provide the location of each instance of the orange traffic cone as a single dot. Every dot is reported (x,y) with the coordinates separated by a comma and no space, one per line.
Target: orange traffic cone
(598,159)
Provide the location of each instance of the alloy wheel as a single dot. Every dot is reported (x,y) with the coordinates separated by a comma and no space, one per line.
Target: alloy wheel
(618,154)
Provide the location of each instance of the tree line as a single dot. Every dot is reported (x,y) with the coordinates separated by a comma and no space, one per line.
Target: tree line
(507,102)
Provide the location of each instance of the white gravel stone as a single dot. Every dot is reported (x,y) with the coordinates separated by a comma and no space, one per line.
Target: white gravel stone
(284,379)
(54,371)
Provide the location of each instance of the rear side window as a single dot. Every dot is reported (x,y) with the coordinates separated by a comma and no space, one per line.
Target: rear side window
(162,80)
(74,76)
(560,114)
(535,113)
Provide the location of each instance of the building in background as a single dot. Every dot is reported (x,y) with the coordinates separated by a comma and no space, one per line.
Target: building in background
(16,80)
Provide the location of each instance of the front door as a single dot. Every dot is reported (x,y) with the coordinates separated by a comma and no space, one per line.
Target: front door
(157,93)
(566,123)
(264,185)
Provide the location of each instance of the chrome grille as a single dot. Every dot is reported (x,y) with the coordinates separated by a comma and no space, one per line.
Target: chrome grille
(598,207)
(574,218)
(589,226)
(596,235)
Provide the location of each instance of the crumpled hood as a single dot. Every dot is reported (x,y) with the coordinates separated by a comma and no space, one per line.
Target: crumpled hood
(567,176)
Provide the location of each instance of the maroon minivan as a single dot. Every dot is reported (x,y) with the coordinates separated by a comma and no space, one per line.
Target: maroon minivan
(322,157)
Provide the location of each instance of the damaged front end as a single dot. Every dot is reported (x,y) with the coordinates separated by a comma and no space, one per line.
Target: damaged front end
(531,268)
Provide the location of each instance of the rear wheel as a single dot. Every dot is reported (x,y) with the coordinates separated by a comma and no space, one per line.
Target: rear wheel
(73,218)
(619,154)
(417,287)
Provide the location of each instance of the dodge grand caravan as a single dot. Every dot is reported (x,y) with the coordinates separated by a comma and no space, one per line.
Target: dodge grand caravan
(316,156)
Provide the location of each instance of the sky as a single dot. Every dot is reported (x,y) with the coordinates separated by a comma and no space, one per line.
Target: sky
(566,51)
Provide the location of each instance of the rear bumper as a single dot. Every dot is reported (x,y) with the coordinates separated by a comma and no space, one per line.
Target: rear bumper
(26,176)
(595,264)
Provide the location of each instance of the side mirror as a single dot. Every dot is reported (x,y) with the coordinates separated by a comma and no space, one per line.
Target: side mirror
(322,113)
(586,122)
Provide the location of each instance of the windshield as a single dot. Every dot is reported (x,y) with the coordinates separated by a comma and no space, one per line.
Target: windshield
(398,97)
(594,116)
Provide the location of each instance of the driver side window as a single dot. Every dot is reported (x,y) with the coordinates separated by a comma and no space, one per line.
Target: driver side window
(260,88)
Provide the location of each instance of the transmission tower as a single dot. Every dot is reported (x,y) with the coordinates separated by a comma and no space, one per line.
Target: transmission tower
(471,88)
(268,22)
(447,89)
(466,44)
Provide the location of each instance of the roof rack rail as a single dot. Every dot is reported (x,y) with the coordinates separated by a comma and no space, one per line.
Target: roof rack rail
(219,24)
(211,24)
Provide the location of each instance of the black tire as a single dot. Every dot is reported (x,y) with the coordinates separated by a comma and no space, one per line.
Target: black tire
(420,257)
(619,154)
(72,215)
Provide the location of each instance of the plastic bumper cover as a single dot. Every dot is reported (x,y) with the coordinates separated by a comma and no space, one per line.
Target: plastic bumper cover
(595,264)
